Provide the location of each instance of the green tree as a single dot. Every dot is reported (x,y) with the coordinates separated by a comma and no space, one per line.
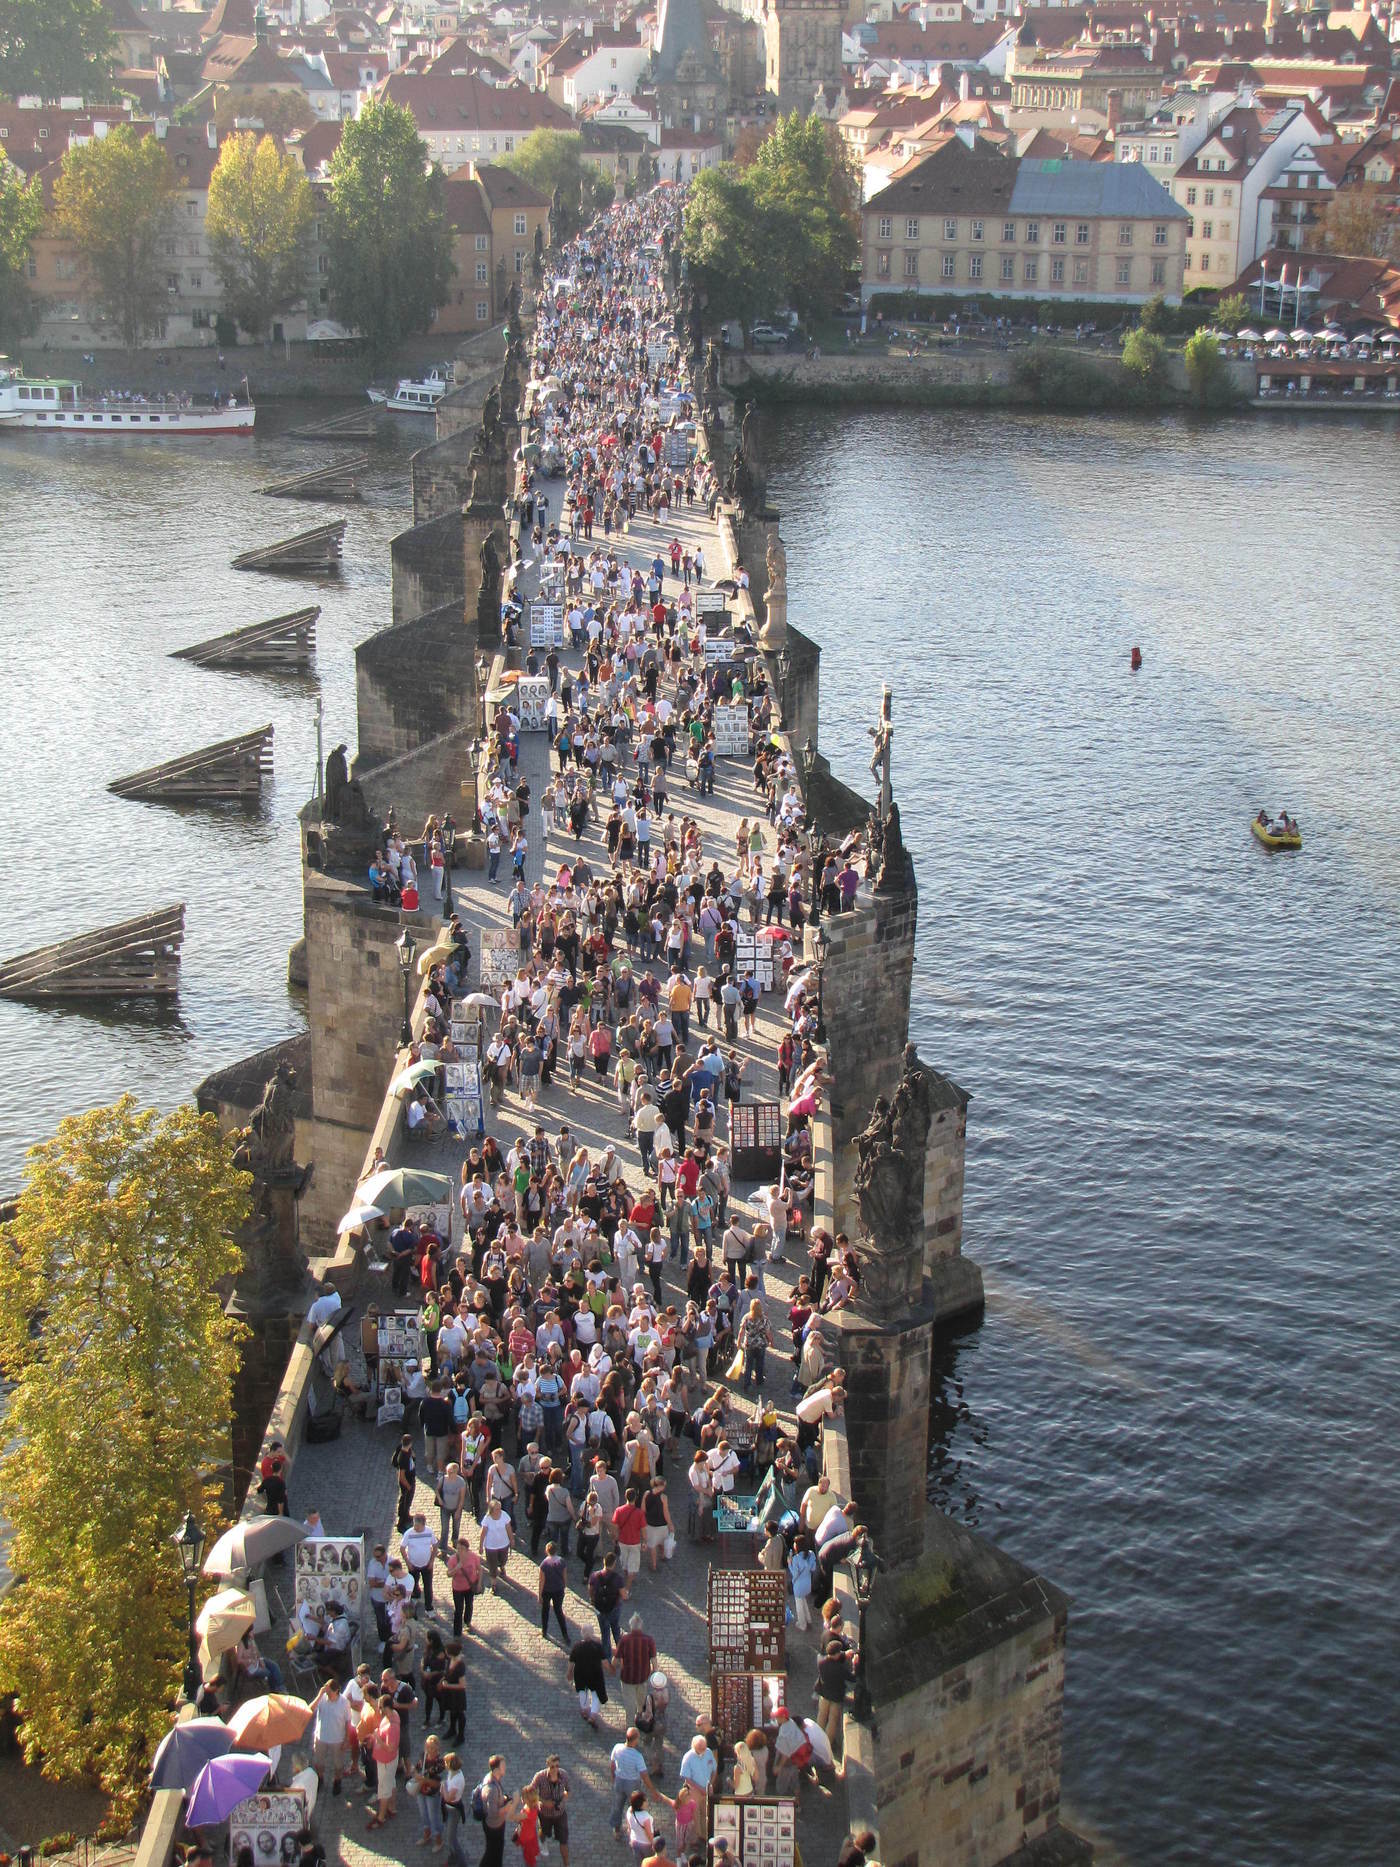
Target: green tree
(390,245)
(1207,372)
(1154,318)
(21,217)
(280,113)
(805,190)
(121,1404)
(1232,311)
(259,217)
(1145,360)
(1358,221)
(54,48)
(723,244)
(553,159)
(114,198)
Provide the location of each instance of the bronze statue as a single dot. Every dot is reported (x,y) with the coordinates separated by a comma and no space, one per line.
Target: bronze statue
(488,602)
(272,1131)
(891,875)
(889,1176)
(337,777)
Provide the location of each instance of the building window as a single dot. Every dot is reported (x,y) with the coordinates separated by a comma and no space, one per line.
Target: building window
(192,209)
(1081,272)
(882,265)
(1125,233)
(1210,197)
(1186,260)
(1081,233)
(1191,229)
(520,226)
(510,145)
(1057,272)
(885,228)
(1224,229)
(519,259)
(911,229)
(1032,268)
(1227,197)
(950,230)
(1058,233)
(977,230)
(911,265)
(1207,229)
(950,265)
(1190,197)
(1154,154)
(481,243)
(482,311)
(481,272)
(974,266)
(1205,262)
(1125,272)
(1159,272)
(1159,233)
(1032,233)
(1008,230)
(1008,271)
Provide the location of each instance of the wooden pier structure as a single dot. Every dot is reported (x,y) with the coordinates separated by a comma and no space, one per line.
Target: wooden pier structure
(281,645)
(358,424)
(231,771)
(314,551)
(138,958)
(336,481)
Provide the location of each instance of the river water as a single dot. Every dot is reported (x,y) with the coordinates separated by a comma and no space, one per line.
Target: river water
(1181,1404)
(1182,1051)
(111,555)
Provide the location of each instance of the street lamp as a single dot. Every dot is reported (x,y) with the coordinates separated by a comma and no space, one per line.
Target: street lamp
(863,1566)
(189,1540)
(821,947)
(784,669)
(809,757)
(407,949)
(449,840)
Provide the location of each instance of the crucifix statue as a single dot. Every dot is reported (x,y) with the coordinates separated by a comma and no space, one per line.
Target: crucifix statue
(883,735)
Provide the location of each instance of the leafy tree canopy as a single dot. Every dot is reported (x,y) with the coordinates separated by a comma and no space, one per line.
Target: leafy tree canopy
(781,231)
(260,211)
(390,245)
(1359,221)
(1232,311)
(21,217)
(120,1408)
(54,48)
(114,198)
(553,159)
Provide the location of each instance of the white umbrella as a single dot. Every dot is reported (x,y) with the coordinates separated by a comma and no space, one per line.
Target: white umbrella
(250,1542)
(1249,335)
(358,1215)
(1300,336)
(406,1186)
(1276,336)
(483,1001)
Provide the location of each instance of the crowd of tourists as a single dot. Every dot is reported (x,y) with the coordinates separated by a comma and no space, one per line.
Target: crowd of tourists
(583,1341)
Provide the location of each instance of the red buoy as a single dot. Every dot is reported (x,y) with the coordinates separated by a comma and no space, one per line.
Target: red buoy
(1136,659)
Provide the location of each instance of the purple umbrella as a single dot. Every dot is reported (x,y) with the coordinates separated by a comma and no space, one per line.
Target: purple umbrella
(183,1752)
(222,1784)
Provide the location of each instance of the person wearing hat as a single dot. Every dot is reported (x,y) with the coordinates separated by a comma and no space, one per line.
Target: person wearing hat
(651,1722)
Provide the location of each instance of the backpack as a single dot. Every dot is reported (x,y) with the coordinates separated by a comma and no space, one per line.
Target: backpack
(646,1717)
(479,1801)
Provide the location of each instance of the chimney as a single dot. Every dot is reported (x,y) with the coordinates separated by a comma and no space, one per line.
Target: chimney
(1114,104)
(162,125)
(966,134)
(964,86)
(211,131)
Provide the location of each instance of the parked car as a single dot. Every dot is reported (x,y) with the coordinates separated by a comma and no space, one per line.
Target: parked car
(764,337)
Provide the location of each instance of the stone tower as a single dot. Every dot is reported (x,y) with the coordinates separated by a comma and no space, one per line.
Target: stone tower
(802,50)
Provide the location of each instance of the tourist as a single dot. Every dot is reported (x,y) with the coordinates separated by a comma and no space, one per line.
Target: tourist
(628,1769)
(495,1543)
(636,1658)
(588,1669)
(551,1785)
(553,1580)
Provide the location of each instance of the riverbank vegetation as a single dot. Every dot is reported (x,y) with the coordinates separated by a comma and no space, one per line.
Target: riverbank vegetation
(21,218)
(113,1332)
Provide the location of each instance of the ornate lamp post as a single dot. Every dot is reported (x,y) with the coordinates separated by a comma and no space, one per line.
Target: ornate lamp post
(449,841)
(407,949)
(821,946)
(863,1567)
(189,1540)
(784,669)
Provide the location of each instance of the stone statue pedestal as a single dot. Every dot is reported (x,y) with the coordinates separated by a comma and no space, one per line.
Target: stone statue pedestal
(887,1360)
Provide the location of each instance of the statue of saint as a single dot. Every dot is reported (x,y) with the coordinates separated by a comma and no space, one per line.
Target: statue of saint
(891,875)
(889,1176)
(337,777)
(272,1130)
(488,602)
(777,566)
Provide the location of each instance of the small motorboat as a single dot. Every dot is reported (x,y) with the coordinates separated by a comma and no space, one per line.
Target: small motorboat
(1279,832)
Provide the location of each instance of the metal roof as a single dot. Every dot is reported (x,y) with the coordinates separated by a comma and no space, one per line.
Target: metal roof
(1117,190)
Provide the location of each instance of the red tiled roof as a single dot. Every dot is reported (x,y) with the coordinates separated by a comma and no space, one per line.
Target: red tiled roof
(446,102)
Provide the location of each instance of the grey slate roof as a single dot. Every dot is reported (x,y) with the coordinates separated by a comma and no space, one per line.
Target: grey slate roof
(1118,190)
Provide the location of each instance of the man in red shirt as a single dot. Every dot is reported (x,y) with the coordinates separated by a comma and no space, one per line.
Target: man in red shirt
(629,1520)
(688,1176)
(636,1653)
(644,1212)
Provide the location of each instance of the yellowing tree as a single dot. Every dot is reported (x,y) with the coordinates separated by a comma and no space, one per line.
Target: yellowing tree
(113,1331)
(114,198)
(257,226)
(1359,221)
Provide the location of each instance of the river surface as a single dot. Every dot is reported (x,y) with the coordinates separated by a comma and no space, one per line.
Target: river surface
(1182,1051)
(1181,1182)
(111,555)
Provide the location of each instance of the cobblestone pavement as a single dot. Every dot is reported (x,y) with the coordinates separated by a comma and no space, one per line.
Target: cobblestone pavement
(518,1699)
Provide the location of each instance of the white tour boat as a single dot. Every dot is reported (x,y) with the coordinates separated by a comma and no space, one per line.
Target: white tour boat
(58,406)
(415,396)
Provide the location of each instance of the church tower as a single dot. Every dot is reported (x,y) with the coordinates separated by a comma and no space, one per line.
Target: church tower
(802,50)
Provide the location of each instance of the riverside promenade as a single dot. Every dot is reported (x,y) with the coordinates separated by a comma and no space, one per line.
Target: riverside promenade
(518,1700)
